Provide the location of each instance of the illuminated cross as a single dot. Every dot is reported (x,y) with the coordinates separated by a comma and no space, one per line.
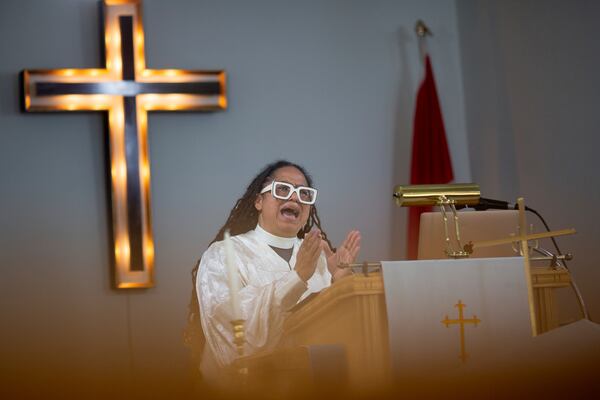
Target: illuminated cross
(127,90)
(461,321)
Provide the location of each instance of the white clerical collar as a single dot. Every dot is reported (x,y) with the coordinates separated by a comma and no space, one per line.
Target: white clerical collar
(274,241)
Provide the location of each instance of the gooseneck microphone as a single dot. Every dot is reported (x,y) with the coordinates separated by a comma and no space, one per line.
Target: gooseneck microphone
(491,204)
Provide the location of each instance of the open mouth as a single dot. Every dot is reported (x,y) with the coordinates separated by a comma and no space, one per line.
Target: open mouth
(290,212)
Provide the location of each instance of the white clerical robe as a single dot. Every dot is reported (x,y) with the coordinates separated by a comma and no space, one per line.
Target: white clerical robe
(269,288)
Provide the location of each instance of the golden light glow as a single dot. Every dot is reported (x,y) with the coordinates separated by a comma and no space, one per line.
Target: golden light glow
(139,38)
(177,102)
(143,138)
(80,74)
(132,285)
(85,102)
(113,103)
(140,58)
(149,250)
(139,63)
(112,39)
(115,38)
(125,249)
(120,172)
(117,119)
(117,2)
(122,251)
(223,102)
(145,172)
(150,98)
(72,102)
(142,119)
(118,65)
(172,72)
(73,99)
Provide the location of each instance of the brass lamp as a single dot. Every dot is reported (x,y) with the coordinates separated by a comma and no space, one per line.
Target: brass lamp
(443,195)
(434,195)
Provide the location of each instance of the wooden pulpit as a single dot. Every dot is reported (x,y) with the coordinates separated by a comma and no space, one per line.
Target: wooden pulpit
(351,314)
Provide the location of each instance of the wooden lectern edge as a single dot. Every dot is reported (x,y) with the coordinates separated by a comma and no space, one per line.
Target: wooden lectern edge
(349,286)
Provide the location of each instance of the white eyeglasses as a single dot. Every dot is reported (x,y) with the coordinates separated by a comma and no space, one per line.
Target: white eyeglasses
(284,190)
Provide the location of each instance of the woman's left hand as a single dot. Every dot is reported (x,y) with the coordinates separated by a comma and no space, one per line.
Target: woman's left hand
(345,254)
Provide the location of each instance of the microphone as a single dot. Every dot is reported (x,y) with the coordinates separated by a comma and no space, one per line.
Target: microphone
(491,204)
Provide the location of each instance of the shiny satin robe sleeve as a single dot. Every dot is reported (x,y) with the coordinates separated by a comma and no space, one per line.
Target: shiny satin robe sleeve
(269,288)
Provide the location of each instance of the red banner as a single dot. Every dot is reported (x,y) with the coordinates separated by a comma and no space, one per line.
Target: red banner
(430,155)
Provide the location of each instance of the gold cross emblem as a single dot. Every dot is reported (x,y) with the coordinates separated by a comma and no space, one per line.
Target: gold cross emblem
(462,322)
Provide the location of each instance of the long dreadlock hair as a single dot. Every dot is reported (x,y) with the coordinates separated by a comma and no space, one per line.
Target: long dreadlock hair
(242,218)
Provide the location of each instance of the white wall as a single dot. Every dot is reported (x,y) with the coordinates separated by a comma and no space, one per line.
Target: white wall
(530,70)
(328,84)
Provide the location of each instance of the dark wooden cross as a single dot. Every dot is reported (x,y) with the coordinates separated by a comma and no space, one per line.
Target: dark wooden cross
(127,90)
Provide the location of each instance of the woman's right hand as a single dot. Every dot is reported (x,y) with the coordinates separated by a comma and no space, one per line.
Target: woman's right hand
(308,255)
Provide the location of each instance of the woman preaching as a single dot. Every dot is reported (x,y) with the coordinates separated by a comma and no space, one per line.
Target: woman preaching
(280,254)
